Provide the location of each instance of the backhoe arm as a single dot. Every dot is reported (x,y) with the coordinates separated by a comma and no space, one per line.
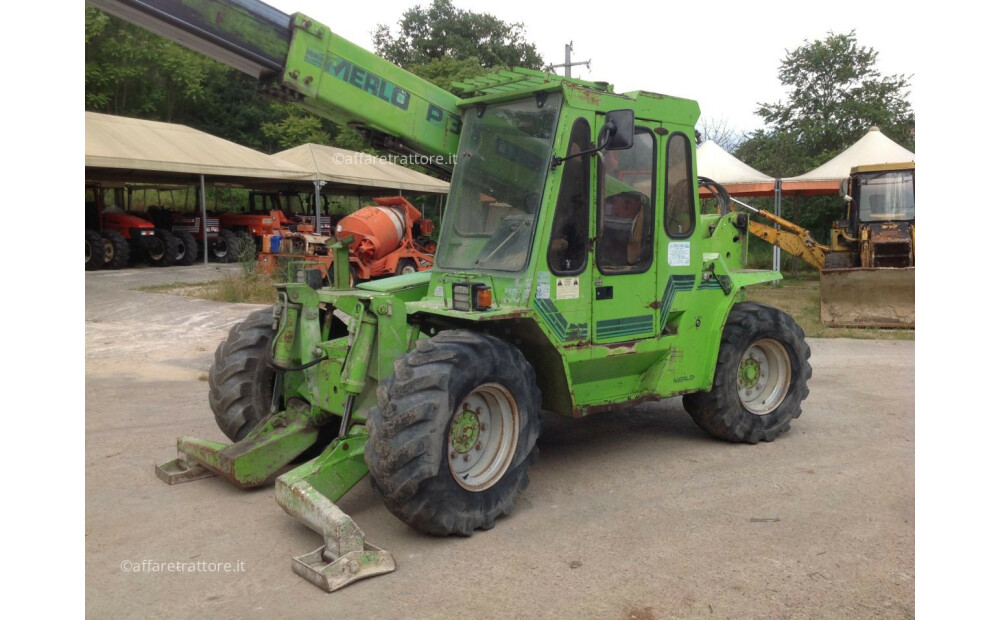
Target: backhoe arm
(791,238)
(298,58)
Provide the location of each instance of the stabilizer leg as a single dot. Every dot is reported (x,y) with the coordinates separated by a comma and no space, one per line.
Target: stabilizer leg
(308,494)
(247,463)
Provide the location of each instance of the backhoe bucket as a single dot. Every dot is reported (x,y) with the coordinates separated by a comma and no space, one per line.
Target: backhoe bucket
(867,297)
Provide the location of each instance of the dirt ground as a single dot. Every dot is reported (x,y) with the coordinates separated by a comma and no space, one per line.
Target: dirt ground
(635,514)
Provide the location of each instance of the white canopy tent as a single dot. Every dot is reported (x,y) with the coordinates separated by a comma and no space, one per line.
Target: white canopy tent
(873,148)
(129,144)
(344,167)
(739,179)
(330,164)
(119,148)
(742,180)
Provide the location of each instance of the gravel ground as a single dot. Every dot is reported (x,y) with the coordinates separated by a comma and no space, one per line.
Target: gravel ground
(633,514)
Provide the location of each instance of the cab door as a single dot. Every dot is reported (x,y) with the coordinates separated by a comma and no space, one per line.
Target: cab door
(679,252)
(623,265)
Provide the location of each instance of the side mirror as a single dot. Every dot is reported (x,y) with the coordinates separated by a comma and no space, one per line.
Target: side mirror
(619,129)
(616,135)
(844,185)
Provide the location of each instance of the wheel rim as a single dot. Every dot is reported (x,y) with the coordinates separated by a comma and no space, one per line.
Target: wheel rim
(109,251)
(408,269)
(763,376)
(157,249)
(483,437)
(220,248)
(181,249)
(89,252)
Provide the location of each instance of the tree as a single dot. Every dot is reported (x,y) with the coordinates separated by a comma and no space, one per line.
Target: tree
(443,44)
(442,72)
(132,72)
(835,94)
(297,127)
(718,130)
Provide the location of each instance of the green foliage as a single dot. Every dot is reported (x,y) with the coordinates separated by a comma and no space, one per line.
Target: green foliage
(131,72)
(443,72)
(835,94)
(295,128)
(351,140)
(441,31)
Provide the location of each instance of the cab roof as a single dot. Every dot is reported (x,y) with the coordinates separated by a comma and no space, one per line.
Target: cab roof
(582,94)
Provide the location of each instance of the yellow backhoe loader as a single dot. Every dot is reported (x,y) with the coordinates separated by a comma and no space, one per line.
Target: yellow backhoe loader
(867,271)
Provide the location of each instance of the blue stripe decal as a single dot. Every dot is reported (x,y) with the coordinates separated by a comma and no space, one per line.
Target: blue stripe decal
(557,322)
(629,326)
(675,284)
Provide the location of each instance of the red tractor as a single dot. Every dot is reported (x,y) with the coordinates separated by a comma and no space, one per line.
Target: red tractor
(188,228)
(266,215)
(114,235)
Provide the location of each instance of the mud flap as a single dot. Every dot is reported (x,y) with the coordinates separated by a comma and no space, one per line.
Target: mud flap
(868,297)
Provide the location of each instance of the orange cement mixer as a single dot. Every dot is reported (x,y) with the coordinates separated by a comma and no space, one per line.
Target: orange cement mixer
(389,238)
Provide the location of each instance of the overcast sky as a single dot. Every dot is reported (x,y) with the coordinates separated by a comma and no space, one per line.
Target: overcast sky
(725,55)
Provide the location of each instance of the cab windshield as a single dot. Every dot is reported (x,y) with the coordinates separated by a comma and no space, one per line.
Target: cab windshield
(496,189)
(886,196)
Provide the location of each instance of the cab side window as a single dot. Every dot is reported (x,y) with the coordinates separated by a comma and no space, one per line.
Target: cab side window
(625,216)
(679,218)
(567,253)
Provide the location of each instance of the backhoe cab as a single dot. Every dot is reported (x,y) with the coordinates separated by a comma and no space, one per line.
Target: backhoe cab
(869,276)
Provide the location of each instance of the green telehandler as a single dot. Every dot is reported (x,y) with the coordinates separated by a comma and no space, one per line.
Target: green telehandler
(574,274)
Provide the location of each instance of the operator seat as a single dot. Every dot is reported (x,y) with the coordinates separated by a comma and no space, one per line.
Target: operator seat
(622,227)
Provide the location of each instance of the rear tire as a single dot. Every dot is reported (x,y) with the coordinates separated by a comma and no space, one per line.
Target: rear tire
(116,249)
(187,248)
(224,248)
(240,383)
(162,248)
(247,244)
(760,377)
(454,432)
(95,250)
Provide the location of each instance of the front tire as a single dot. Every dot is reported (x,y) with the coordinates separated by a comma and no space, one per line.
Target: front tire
(240,383)
(760,377)
(224,248)
(95,250)
(162,248)
(454,432)
(187,248)
(406,265)
(247,245)
(116,249)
